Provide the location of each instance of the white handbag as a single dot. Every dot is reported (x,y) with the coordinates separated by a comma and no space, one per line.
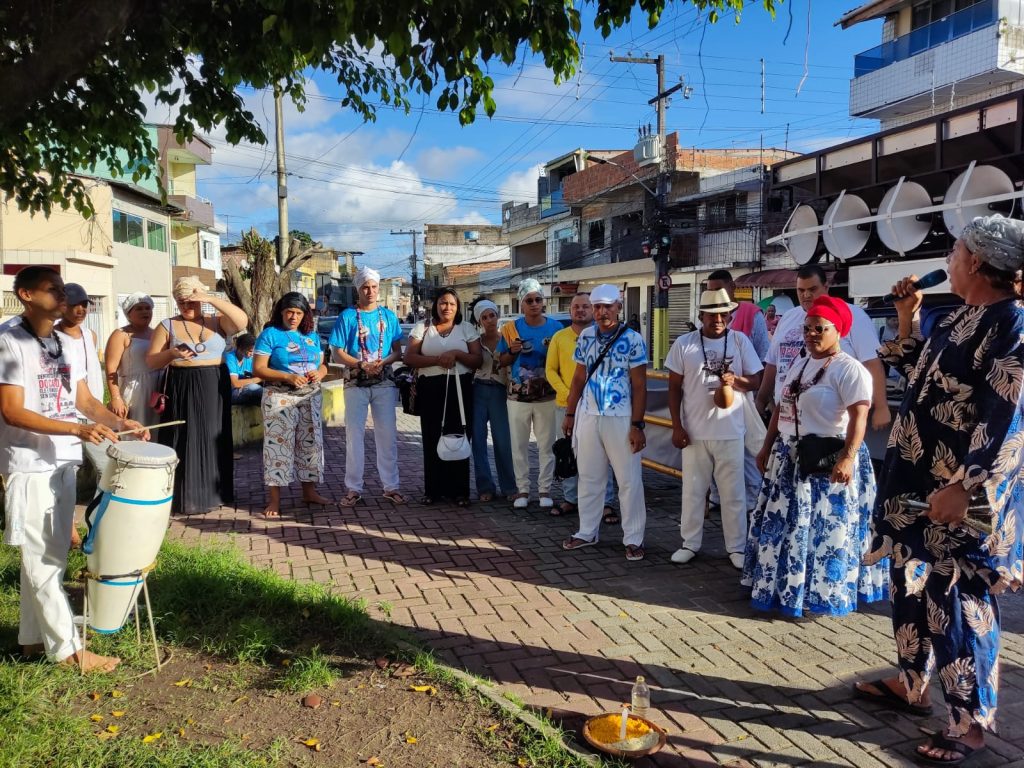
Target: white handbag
(454,447)
(755,430)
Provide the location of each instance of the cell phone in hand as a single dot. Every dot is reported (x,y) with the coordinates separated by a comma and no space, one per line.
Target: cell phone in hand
(183,347)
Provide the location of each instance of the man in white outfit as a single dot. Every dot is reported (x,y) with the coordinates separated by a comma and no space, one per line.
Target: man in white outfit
(710,436)
(41,393)
(605,416)
(368,340)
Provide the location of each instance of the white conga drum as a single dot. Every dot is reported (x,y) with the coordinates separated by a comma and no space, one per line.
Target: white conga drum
(127,523)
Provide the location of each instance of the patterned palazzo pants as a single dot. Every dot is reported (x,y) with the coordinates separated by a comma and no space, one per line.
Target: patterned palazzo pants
(292,437)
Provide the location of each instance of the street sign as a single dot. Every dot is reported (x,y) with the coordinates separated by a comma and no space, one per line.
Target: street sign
(664,282)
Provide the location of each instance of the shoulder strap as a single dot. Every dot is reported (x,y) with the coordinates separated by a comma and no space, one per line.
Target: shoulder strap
(600,358)
(458,392)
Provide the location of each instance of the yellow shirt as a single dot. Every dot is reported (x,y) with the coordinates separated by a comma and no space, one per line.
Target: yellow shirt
(560,365)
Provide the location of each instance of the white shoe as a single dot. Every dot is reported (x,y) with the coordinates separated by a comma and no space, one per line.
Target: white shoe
(521,503)
(736,558)
(546,502)
(682,556)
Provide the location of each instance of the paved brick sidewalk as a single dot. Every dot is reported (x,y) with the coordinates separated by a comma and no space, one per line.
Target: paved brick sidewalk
(491,590)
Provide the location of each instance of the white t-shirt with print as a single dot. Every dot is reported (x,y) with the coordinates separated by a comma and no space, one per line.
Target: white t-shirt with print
(823,406)
(702,419)
(434,344)
(861,343)
(49,389)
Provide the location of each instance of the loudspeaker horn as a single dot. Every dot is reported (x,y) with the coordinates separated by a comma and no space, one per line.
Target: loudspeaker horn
(802,245)
(842,239)
(978,181)
(904,233)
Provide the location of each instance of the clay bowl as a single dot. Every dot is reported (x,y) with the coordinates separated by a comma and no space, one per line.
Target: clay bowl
(631,754)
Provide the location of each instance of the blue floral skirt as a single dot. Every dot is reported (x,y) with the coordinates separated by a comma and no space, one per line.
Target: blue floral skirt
(807,538)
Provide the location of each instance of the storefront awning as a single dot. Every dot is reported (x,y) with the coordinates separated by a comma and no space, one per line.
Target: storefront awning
(768,278)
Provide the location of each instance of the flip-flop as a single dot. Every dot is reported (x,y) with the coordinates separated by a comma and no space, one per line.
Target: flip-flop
(941,741)
(889,699)
(350,499)
(394,497)
(610,517)
(574,543)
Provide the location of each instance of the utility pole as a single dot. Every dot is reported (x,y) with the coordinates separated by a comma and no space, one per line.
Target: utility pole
(282,181)
(658,238)
(413,268)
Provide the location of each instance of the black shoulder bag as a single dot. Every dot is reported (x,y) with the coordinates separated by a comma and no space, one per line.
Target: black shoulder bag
(565,458)
(815,454)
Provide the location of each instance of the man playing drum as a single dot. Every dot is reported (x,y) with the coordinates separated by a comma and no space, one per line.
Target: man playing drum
(40,450)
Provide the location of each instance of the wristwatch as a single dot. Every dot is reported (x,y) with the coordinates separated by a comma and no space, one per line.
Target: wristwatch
(641,425)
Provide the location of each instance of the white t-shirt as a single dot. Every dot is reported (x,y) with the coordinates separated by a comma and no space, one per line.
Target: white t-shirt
(435,344)
(702,419)
(49,389)
(823,406)
(82,354)
(861,343)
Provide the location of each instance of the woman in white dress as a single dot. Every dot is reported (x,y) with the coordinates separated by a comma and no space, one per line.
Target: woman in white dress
(129,380)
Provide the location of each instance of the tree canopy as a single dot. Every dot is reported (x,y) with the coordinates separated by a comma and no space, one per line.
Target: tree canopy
(72,73)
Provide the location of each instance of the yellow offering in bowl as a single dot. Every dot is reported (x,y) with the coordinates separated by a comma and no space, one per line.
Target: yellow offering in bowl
(607,730)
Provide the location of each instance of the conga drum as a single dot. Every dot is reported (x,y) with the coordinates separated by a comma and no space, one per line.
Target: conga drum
(127,523)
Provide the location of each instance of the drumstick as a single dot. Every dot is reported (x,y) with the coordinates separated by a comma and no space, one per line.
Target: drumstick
(155,426)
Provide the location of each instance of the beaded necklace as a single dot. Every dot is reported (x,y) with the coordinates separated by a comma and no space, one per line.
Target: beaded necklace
(364,333)
(719,369)
(53,335)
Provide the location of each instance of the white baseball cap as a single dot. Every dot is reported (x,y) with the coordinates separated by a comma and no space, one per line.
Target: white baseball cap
(605,294)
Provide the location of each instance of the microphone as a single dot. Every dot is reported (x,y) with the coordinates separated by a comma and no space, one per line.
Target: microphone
(929,280)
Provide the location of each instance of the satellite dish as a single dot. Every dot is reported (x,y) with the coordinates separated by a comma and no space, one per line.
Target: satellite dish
(844,241)
(976,182)
(904,233)
(801,246)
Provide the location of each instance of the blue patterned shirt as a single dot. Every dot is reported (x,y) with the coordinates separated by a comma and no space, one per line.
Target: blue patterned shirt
(608,392)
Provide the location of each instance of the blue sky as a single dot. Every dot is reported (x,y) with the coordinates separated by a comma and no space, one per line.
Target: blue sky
(352,183)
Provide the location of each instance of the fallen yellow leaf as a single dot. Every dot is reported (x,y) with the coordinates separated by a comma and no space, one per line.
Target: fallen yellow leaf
(103,735)
(96,718)
(243,697)
(118,713)
(181,732)
(522,762)
(375,761)
(492,728)
(410,739)
(190,721)
(183,683)
(427,689)
(286,662)
(152,737)
(116,694)
(94,696)
(335,703)
(623,615)
(112,729)
(313,744)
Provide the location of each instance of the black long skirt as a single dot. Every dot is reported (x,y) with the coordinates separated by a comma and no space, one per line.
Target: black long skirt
(443,479)
(200,395)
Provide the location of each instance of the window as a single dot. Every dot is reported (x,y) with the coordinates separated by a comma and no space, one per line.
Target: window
(595,234)
(722,213)
(207,250)
(156,235)
(129,229)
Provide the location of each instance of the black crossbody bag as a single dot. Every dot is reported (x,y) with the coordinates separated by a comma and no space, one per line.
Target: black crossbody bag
(815,455)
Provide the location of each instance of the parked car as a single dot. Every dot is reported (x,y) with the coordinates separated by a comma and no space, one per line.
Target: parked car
(324,328)
(562,317)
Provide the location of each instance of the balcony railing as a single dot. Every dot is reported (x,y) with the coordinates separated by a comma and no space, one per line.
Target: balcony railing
(956,25)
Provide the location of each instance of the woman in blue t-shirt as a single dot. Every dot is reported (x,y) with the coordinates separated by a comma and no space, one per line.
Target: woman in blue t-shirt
(288,360)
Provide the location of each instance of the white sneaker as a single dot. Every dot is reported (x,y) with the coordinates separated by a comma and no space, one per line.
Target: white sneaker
(683,556)
(736,558)
(521,503)
(546,502)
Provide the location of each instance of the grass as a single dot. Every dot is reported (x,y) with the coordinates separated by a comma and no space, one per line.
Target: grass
(306,673)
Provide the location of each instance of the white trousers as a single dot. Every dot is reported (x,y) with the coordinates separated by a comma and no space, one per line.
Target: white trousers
(45,503)
(723,461)
(541,417)
(752,477)
(380,400)
(600,441)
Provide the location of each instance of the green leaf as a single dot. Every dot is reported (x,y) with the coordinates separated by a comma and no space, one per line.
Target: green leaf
(269,22)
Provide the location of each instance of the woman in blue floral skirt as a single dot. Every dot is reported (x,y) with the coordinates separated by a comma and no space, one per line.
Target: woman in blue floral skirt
(810,527)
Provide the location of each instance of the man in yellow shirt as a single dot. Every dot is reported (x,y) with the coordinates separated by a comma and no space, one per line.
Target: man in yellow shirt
(559,369)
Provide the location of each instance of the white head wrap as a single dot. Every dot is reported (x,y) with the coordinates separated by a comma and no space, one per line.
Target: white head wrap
(996,240)
(528,286)
(363,274)
(134,300)
(482,306)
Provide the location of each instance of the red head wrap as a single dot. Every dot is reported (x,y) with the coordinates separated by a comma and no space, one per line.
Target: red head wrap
(836,311)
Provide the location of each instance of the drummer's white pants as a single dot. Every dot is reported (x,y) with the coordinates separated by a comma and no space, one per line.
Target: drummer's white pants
(293,441)
(44,503)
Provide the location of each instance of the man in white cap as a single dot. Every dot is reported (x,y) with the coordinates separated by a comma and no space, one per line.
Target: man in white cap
(711,437)
(523,348)
(367,339)
(605,416)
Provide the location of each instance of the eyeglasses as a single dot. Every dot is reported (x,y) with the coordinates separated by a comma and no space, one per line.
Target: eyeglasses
(818,328)
(534,300)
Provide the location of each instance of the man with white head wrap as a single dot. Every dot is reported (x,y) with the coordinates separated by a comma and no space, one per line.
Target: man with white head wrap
(368,340)
(531,399)
(956,447)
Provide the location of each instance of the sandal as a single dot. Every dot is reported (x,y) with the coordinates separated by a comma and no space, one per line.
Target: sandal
(426,500)
(574,543)
(566,508)
(889,699)
(611,517)
(940,741)
(486,497)
(350,499)
(634,552)
(394,497)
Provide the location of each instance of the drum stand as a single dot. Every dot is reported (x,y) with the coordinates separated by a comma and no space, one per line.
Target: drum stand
(144,575)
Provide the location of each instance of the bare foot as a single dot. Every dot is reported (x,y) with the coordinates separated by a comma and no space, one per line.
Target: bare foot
(91,662)
(76,538)
(974,739)
(32,651)
(271,511)
(316,498)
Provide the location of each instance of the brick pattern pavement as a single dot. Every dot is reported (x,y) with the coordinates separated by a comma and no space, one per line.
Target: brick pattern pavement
(491,590)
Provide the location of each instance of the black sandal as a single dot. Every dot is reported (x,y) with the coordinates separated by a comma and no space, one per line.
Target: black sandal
(889,699)
(611,517)
(943,742)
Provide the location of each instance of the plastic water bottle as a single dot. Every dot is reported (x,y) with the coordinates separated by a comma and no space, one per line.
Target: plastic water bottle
(641,698)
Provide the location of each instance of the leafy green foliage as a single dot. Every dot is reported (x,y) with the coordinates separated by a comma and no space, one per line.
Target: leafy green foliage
(71,73)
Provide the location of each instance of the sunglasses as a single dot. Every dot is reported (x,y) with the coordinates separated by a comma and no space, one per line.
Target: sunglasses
(817,328)
(534,300)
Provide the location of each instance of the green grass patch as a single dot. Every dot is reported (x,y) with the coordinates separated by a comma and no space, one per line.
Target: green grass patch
(307,673)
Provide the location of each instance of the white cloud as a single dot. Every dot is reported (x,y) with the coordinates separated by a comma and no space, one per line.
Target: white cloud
(446,162)
(521,186)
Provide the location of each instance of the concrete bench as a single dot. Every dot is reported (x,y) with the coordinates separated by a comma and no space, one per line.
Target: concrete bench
(247,420)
